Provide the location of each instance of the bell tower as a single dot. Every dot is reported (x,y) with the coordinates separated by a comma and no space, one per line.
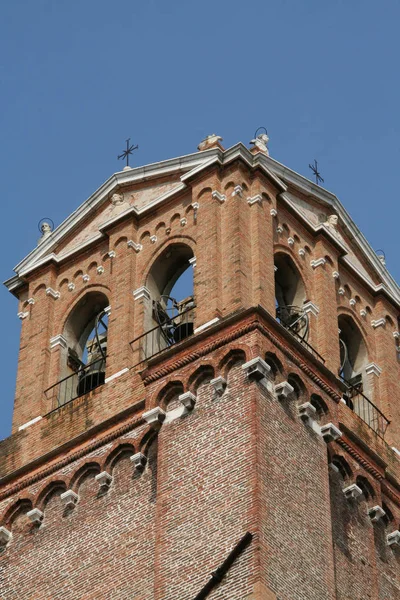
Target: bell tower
(207,400)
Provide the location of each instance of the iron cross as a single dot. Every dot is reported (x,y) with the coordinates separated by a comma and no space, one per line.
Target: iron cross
(314,169)
(128,151)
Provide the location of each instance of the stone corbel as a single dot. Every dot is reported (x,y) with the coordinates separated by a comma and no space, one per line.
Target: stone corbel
(139,461)
(393,539)
(22,315)
(219,385)
(104,480)
(283,390)
(310,307)
(69,498)
(335,275)
(85,278)
(137,247)
(376,513)
(35,515)
(58,340)
(71,287)
(256,369)
(52,293)
(378,323)
(273,212)
(302,252)
(330,432)
(188,400)
(5,536)
(183,222)
(111,254)
(153,239)
(100,270)
(373,369)
(254,199)
(154,417)
(320,262)
(141,292)
(307,412)
(352,492)
(218,196)
(31,301)
(237,191)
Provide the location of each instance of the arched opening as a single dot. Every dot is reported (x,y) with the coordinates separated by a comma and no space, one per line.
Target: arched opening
(171,286)
(290,296)
(84,360)
(353,352)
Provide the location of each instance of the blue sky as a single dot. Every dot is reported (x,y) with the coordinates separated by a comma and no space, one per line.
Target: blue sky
(78,78)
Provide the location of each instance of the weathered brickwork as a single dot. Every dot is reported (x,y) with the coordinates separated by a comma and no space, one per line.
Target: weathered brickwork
(233,450)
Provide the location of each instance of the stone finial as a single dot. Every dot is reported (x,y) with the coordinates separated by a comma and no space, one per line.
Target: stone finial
(211,141)
(260,143)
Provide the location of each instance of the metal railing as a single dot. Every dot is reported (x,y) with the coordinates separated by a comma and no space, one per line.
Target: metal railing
(295,320)
(78,384)
(159,338)
(358,402)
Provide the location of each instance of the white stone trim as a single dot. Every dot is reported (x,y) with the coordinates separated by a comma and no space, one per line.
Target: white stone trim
(100,270)
(396,335)
(378,323)
(137,247)
(393,539)
(352,301)
(273,212)
(341,291)
(104,479)
(153,239)
(111,254)
(319,262)
(69,498)
(192,261)
(31,301)
(52,293)
(206,325)
(58,340)
(306,412)
(155,416)
(29,423)
(22,315)
(195,206)
(279,229)
(283,390)
(139,461)
(310,307)
(254,199)
(373,369)
(335,275)
(218,196)
(116,375)
(71,287)
(302,252)
(107,310)
(330,432)
(376,513)
(290,241)
(5,536)
(85,278)
(142,292)
(188,400)
(256,369)
(396,451)
(219,384)
(363,313)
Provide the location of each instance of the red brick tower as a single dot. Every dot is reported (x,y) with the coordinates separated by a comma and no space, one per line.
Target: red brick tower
(152,432)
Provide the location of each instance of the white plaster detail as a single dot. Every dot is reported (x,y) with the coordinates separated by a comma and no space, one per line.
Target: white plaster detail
(58,340)
(352,492)
(376,513)
(22,315)
(310,307)
(69,498)
(188,400)
(141,292)
(341,291)
(279,229)
(112,254)
(52,293)
(183,222)
(116,375)
(256,369)
(273,212)
(330,432)
(335,275)
(378,323)
(104,480)
(363,313)
(154,417)
(219,385)
(139,461)
(31,301)
(254,199)
(192,261)
(290,241)
(320,262)
(283,390)
(352,302)
(71,287)
(100,270)
(393,539)
(205,325)
(306,411)
(237,191)
(35,515)
(396,335)
(153,239)
(29,423)
(85,278)
(373,369)
(218,196)
(5,536)
(302,252)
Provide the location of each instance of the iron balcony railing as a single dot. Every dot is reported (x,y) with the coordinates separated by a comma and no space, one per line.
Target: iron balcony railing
(358,402)
(295,320)
(78,384)
(159,338)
